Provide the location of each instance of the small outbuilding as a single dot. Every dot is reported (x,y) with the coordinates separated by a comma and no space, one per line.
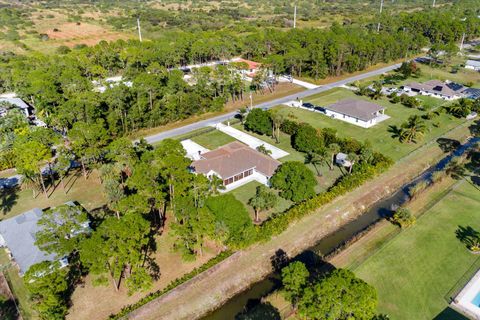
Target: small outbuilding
(342,160)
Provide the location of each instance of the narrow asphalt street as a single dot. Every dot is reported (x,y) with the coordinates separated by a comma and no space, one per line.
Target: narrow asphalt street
(266,105)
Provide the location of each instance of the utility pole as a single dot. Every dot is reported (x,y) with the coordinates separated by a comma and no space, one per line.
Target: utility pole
(381,9)
(463,40)
(295,16)
(138,25)
(139,30)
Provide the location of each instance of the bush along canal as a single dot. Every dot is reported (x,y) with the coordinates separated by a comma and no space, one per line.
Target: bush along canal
(335,242)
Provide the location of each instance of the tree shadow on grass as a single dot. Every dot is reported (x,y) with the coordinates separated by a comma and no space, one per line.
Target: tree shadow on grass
(8,199)
(449,314)
(467,235)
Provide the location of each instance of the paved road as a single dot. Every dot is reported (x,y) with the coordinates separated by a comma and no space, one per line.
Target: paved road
(266,105)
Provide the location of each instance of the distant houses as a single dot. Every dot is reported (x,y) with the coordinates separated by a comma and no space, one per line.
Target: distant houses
(442,90)
(236,164)
(472,65)
(252,67)
(358,112)
(18,236)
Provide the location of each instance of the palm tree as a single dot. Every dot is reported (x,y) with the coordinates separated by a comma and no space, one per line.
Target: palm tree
(216,184)
(317,158)
(277,120)
(352,157)
(413,129)
(334,148)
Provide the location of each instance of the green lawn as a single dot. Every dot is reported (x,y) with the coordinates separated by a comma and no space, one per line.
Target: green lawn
(16,285)
(326,178)
(88,193)
(247,191)
(378,135)
(416,270)
(213,139)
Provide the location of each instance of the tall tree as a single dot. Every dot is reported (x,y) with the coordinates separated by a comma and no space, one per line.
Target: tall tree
(295,181)
(263,199)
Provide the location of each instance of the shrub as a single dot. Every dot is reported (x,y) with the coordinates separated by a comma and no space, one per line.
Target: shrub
(289,127)
(307,139)
(259,121)
(232,219)
(295,180)
(403,218)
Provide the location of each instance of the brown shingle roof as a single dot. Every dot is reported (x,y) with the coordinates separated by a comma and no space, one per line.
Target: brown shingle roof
(360,109)
(235,158)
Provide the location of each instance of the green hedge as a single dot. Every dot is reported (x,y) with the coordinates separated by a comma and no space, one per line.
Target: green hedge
(175,283)
(280,222)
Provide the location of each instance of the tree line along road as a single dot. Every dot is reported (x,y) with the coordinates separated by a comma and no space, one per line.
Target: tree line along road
(266,105)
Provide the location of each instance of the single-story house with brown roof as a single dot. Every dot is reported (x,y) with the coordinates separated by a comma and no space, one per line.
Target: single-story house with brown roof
(358,112)
(434,88)
(236,164)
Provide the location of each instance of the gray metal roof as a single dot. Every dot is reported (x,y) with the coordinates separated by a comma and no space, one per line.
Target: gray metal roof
(19,236)
(473,63)
(19,103)
(360,109)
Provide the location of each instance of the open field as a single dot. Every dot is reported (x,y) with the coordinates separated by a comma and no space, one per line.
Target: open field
(87,192)
(377,135)
(415,271)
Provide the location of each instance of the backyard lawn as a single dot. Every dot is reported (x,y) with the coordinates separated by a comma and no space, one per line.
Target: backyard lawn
(415,272)
(325,177)
(87,192)
(247,191)
(379,136)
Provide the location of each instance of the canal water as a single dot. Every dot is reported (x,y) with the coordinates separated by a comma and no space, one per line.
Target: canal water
(380,210)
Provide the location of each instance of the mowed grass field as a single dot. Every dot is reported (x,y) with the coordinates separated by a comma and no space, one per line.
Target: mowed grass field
(378,135)
(415,271)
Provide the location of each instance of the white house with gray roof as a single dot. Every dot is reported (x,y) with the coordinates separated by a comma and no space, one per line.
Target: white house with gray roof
(358,112)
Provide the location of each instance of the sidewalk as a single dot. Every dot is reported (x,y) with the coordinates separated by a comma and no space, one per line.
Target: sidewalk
(301,83)
(251,141)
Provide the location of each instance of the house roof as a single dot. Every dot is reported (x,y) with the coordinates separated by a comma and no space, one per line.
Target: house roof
(18,234)
(473,63)
(234,158)
(251,64)
(433,86)
(17,102)
(360,109)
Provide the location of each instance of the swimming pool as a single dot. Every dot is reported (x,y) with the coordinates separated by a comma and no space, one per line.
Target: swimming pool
(476,300)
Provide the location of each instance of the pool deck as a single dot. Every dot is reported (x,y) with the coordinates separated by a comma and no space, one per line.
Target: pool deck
(463,301)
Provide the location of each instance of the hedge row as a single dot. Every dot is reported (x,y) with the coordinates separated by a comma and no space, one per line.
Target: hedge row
(280,222)
(175,283)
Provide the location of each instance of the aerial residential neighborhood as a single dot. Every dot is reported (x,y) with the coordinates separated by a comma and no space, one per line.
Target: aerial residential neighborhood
(239,160)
